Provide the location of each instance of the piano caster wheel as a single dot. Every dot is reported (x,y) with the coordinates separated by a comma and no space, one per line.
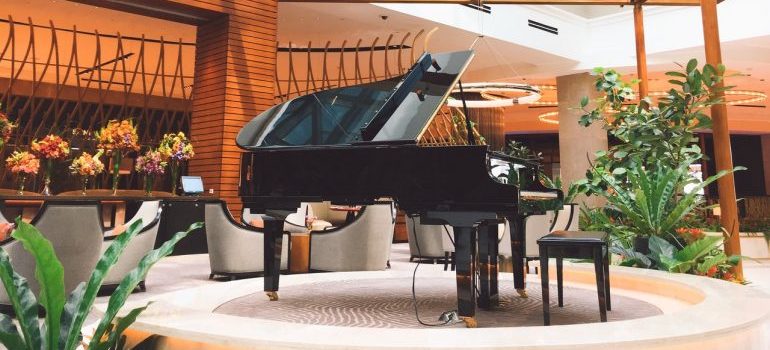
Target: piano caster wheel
(272,295)
(470,322)
(522,293)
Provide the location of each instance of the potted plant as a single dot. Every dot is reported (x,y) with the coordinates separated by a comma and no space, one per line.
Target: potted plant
(60,329)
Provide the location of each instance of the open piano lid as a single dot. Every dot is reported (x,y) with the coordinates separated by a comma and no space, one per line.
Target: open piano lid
(396,110)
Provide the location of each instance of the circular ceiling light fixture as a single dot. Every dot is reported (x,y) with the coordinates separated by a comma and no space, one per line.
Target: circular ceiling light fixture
(496,95)
(746,96)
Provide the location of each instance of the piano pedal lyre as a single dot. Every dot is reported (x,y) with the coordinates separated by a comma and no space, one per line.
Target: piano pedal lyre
(470,322)
(272,295)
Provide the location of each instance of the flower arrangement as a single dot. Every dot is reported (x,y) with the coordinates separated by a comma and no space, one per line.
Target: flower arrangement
(150,164)
(177,149)
(22,164)
(50,148)
(6,128)
(86,166)
(117,138)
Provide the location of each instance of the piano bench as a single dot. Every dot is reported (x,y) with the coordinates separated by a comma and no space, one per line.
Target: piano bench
(575,245)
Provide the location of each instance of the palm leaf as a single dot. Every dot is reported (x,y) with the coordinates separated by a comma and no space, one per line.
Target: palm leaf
(81,300)
(129,283)
(49,273)
(23,301)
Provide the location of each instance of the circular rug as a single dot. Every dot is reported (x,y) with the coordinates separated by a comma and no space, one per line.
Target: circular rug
(387,303)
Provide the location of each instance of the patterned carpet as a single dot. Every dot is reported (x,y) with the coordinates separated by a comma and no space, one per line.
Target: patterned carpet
(387,303)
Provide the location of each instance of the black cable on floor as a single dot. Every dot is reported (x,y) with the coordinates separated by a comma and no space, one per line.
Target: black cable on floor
(447,316)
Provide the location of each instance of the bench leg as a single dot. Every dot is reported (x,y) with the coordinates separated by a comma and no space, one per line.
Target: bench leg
(607,278)
(560,281)
(544,285)
(600,286)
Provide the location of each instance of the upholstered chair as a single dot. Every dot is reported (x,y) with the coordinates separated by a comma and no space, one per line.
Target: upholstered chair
(426,242)
(567,218)
(147,211)
(75,231)
(235,249)
(138,247)
(362,245)
(294,222)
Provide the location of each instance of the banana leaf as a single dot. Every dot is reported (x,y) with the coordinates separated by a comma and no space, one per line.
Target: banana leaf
(23,302)
(129,283)
(50,274)
(82,298)
(698,249)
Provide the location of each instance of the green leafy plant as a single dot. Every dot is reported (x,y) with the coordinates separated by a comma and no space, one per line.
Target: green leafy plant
(648,134)
(654,203)
(65,315)
(701,257)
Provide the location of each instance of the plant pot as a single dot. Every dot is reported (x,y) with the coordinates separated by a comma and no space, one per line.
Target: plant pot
(754,245)
(642,245)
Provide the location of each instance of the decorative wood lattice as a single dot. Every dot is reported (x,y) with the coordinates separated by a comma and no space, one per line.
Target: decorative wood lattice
(71,82)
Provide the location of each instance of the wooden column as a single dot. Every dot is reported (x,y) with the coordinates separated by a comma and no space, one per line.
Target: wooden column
(641,51)
(722,148)
(234,74)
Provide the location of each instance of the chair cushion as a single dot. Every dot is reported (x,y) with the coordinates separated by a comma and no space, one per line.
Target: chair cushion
(574,237)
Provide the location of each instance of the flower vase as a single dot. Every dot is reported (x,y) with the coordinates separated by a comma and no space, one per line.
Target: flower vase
(47,179)
(116,159)
(149,181)
(174,176)
(22,180)
(85,185)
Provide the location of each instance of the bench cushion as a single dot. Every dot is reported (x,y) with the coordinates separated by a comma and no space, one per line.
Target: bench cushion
(574,237)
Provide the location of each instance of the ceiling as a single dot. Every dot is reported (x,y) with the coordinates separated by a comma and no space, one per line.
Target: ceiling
(307,23)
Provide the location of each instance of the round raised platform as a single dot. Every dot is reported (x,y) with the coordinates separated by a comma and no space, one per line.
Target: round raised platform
(651,309)
(387,303)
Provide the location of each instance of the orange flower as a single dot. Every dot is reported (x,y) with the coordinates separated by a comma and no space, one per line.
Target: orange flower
(51,147)
(118,136)
(23,162)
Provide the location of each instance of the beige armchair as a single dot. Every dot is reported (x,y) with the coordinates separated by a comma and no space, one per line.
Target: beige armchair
(149,212)
(362,245)
(426,242)
(235,249)
(75,231)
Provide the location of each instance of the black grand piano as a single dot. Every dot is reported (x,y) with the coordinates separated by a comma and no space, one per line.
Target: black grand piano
(394,139)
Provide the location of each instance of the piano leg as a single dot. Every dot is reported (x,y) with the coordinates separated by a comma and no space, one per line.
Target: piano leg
(272,254)
(464,255)
(488,292)
(517,253)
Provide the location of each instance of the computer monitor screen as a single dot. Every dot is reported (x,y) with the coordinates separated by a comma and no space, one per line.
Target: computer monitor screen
(192,184)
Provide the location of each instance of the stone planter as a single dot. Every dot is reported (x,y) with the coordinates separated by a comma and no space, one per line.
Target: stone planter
(754,245)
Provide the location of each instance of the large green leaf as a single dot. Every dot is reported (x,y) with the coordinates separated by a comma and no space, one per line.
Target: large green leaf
(122,324)
(129,283)
(698,249)
(711,261)
(23,302)
(80,300)
(660,247)
(9,335)
(50,275)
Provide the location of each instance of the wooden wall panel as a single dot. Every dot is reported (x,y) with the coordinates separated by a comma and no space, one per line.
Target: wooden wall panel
(234,75)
